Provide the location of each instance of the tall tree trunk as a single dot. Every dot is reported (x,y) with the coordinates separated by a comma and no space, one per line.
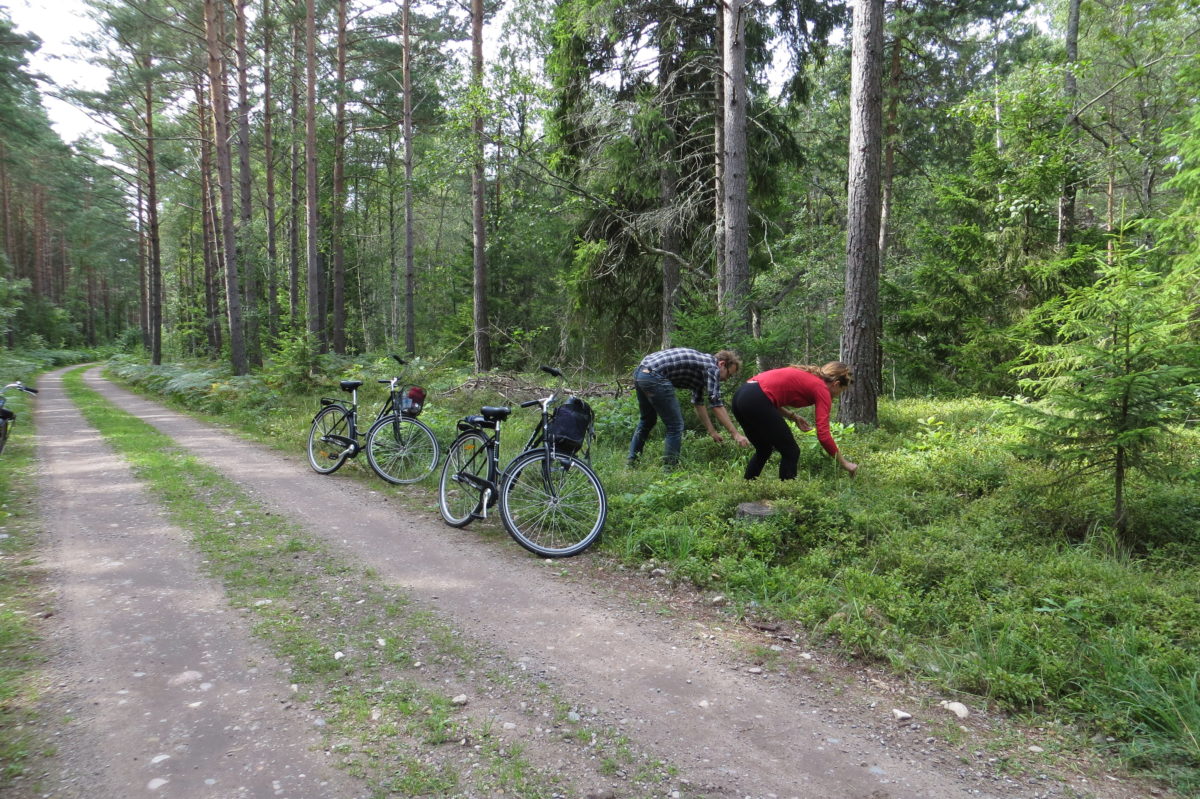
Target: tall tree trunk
(860,324)
(153,245)
(737,212)
(1070,190)
(483,356)
(295,182)
(338,201)
(668,180)
(143,269)
(268,27)
(890,134)
(212,260)
(719,164)
(410,328)
(316,316)
(245,229)
(214,26)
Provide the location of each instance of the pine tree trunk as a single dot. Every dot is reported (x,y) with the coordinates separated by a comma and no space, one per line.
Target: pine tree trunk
(245,228)
(410,330)
(316,316)
(1070,190)
(153,245)
(860,323)
(483,357)
(214,26)
(735,165)
(295,182)
(338,215)
(269,162)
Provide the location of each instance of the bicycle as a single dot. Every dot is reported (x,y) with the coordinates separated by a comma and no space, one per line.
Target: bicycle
(7,417)
(400,447)
(551,502)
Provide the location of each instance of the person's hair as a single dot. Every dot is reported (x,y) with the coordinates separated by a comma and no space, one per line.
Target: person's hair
(832,372)
(733,361)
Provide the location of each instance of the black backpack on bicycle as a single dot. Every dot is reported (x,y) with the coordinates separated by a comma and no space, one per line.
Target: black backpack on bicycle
(570,426)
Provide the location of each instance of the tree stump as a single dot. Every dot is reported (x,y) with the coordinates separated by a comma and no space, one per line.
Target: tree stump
(755,510)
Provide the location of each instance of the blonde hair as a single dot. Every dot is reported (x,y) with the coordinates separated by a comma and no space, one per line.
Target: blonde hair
(832,372)
(732,361)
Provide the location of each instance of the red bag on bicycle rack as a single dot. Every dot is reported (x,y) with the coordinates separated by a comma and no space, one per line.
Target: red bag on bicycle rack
(413,401)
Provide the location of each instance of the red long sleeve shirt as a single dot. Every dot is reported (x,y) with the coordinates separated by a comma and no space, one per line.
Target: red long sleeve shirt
(796,388)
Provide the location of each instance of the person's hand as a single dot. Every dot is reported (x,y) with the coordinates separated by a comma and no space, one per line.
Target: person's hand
(851,468)
(803,425)
(741,440)
(716,436)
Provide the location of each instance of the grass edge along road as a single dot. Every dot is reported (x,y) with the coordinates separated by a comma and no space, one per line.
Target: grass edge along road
(25,595)
(361,655)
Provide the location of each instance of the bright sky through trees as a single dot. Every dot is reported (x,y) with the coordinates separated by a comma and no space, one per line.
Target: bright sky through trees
(57,24)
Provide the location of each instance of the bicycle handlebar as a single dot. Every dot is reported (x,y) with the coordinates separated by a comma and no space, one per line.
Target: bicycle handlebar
(18,385)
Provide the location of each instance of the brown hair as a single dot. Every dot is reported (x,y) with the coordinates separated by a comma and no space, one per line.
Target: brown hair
(733,361)
(832,372)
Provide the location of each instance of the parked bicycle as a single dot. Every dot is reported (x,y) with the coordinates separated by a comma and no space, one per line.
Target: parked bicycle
(551,501)
(400,447)
(7,417)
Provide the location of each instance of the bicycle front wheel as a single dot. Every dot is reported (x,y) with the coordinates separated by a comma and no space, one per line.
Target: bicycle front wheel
(4,425)
(554,506)
(460,496)
(327,449)
(402,450)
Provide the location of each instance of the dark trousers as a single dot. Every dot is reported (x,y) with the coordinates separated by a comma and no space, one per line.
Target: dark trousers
(767,430)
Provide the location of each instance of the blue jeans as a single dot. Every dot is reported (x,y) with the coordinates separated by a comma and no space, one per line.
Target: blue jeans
(656,397)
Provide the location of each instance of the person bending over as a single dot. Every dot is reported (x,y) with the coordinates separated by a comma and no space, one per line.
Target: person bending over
(660,375)
(761,408)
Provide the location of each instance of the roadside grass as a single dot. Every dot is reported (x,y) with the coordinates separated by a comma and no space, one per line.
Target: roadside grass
(23,596)
(380,673)
(949,559)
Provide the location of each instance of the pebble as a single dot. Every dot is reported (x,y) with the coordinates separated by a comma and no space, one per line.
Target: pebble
(461,699)
(901,715)
(957,708)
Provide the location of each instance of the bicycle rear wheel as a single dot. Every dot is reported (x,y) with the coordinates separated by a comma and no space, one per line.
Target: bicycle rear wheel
(401,449)
(460,496)
(327,439)
(554,506)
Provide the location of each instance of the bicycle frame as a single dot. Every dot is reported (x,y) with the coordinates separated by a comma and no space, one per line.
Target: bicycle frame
(488,427)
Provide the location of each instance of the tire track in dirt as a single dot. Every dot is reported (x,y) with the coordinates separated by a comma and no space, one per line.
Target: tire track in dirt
(730,732)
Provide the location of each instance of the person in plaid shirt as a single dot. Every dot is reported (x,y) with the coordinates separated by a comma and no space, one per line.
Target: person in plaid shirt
(660,375)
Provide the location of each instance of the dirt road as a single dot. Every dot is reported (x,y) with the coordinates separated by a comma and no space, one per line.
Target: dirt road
(170,694)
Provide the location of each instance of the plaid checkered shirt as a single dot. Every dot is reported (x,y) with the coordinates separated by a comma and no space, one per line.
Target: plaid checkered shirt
(689,369)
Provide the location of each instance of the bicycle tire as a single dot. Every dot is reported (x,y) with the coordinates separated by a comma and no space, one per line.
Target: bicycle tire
(555,519)
(402,450)
(326,448)
(460,501)
(3,433)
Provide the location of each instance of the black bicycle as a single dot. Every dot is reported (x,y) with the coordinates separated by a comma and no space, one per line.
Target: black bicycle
(7,417)
(400,447)
(551,502)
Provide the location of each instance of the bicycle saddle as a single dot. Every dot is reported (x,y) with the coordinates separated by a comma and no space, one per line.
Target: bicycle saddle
(350,385)
(493,414)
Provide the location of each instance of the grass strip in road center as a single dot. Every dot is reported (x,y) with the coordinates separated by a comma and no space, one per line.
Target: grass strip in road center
(371,664)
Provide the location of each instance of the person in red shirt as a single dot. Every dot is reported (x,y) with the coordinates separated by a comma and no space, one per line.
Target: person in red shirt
(760,406)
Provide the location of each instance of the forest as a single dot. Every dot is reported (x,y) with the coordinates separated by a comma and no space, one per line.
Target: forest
(989,209)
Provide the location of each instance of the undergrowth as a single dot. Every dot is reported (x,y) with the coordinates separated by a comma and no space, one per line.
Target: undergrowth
(948,557)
